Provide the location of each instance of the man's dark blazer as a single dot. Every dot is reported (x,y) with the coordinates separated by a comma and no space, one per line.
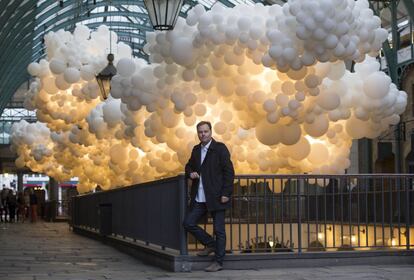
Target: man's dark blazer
(217,173)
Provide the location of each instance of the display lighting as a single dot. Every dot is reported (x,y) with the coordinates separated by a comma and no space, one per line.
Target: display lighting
(321,236)
(271,79)
(271,241)
(353,239)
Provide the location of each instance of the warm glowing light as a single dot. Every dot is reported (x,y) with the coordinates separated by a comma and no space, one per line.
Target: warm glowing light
(353,238)
(279,106)
(321,236)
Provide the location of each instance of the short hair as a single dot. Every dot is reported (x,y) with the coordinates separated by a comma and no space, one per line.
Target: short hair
(203,123)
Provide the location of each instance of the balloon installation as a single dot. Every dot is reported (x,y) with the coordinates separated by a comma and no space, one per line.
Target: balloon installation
(271,79)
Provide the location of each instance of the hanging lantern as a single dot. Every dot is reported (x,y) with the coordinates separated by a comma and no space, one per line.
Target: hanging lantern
(163,13)
(105,76)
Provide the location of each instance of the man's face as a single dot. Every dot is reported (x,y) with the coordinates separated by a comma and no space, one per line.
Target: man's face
(204,134)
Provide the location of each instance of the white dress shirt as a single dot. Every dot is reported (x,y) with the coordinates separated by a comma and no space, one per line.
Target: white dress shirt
(201,197)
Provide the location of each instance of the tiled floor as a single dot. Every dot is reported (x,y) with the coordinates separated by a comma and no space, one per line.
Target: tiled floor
(51,251)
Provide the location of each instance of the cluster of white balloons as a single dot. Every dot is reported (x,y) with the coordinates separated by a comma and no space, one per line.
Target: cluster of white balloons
(271,79)
(291,36)
(65,88)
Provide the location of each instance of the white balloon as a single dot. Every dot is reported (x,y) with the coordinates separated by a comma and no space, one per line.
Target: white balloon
(125,67)
(33,68)
(318,127)
(356,128)
(268,134)
(312,81)
(182,51)
(57,66)
(318,154)
(270,105)
(300,150)
(328,100)
(61,83)
(377,85)
(87,72)
(337,70)
(71,75)
(81,33)
(290,134)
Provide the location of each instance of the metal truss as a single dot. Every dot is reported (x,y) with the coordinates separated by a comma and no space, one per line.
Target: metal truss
(24,24)
(14,113)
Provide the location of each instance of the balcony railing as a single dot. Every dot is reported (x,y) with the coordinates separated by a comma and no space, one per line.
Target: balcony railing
(270,213)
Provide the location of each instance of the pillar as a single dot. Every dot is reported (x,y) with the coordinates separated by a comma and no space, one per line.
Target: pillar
(365,156)
(20,181)
(53,189)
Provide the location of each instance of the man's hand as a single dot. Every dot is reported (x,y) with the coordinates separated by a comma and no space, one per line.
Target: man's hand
(224,199)
(194,175)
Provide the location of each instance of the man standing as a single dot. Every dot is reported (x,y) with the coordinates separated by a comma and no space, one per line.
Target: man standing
(212,175)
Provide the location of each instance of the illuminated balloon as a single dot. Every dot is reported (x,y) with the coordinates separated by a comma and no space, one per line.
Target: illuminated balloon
(271,80)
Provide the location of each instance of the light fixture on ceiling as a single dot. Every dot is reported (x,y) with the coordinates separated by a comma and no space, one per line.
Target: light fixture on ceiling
(163,13)
(105,76)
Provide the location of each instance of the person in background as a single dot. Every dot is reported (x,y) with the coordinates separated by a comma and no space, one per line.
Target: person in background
(21,207)
(1,210)
(27,202)
(4,193)
(11,204)
(33,206)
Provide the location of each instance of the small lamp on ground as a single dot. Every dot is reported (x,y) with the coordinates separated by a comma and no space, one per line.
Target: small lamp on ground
(105,76)
(163,13)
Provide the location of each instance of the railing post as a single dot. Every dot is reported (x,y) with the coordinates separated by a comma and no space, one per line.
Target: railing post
(70,210)
(299,209)
(407,212)
(182,192)
(74,207)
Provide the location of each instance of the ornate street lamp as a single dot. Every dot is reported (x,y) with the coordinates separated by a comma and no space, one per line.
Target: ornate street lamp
(163,13)
(105,76)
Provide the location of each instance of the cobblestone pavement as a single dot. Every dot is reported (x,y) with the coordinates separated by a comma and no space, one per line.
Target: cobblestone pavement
(51,251)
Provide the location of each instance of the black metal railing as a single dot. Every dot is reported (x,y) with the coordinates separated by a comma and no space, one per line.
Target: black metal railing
(270,213)
(273,213)
(150,212)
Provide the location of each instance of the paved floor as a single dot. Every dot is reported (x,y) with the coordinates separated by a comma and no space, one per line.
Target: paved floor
(51,251)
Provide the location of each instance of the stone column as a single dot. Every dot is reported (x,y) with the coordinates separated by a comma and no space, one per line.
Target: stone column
(53,189)
(365,156)
(20,181)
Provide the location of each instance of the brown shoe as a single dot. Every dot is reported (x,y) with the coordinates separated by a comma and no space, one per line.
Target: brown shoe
(206,252)
(214,267)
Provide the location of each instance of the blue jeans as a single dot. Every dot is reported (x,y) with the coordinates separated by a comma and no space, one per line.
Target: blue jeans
(191,225)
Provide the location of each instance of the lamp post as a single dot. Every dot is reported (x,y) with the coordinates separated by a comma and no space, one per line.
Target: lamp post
(163,13)
(105,76)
